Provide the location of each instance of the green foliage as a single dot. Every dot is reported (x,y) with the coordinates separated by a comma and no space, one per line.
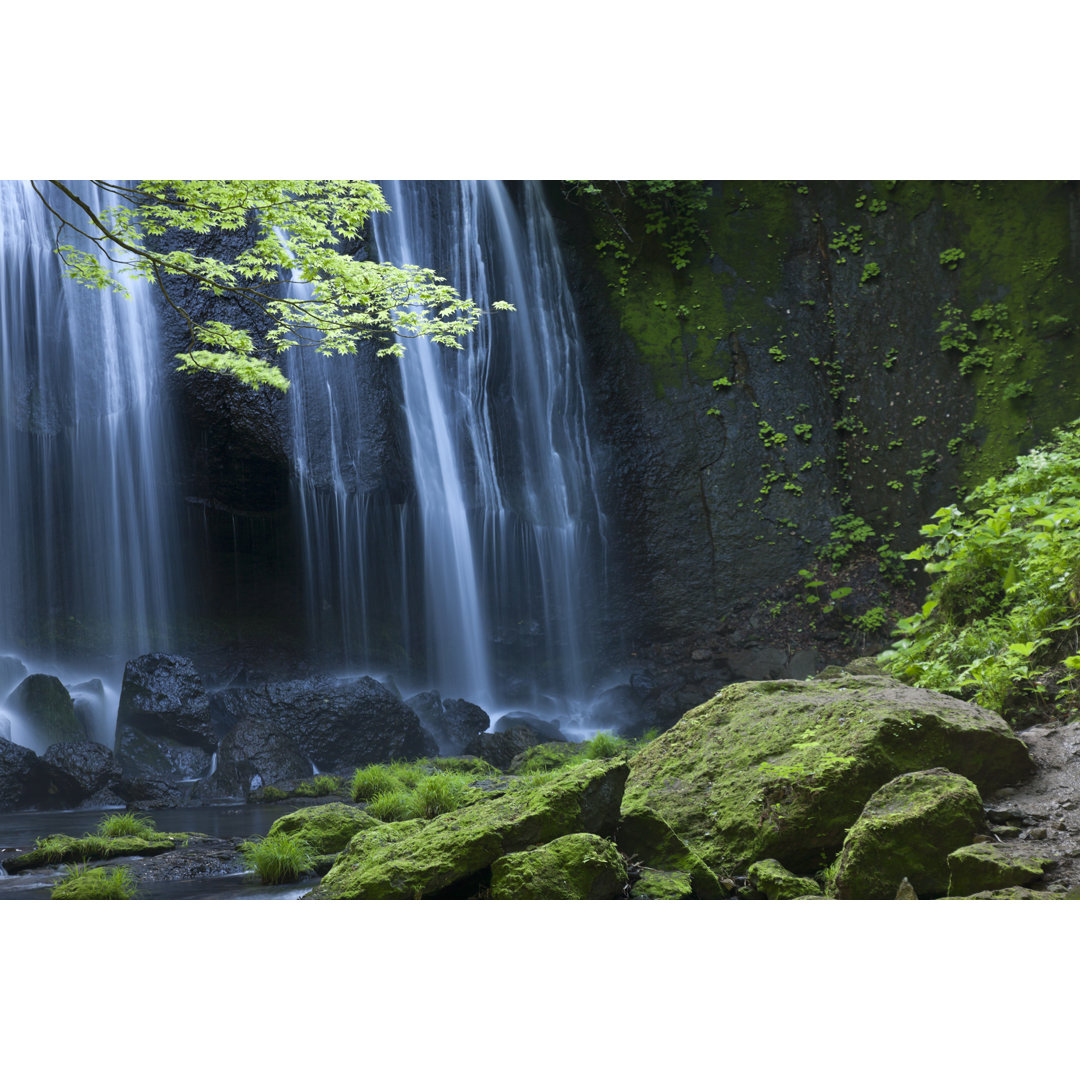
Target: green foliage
(950,258)
(437,794)
(322,784)
(1004,601)
(395,805)
(279,858)
(79,883)
(304,228)
(604,745)
(129,823)
(870,271)
(848,531)
(372,780)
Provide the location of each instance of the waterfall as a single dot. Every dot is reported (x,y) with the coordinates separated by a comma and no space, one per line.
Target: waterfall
(89,569)
(455,531)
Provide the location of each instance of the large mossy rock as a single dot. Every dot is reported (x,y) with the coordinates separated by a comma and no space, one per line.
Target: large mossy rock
(579,866)
(782,769)
(45,704)
(986,867)
(325,828)
(906,830)
(451,854)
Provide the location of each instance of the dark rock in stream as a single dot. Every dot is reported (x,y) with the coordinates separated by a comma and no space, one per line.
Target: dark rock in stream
(336,724)
(163,695)
(546,731)
(29,782)
(501,748)
(452,721)
(91,766)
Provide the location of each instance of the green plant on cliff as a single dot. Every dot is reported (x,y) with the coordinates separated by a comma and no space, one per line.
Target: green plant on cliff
(308,229)
(1004,604)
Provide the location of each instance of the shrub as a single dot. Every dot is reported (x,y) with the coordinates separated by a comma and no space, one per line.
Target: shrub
(278,859)
(1005,602)
(126,824)
(79,883)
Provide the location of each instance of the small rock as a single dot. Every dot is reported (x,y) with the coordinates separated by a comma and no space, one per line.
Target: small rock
(1036,834)
(906,892)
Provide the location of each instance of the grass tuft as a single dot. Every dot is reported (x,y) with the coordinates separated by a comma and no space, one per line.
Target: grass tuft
(278,859)
(394,805)
(438,794)
(79,883)
(371,781)
(128,823)
(603,745)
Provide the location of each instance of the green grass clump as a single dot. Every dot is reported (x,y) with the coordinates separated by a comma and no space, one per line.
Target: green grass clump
(371,781)
(322,784)
(604,745)
(1004,605)
(437,794)
(79,883)
(278,859)
(395,805)
(127,824)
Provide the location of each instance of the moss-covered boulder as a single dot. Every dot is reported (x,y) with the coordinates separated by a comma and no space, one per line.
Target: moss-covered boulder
(45,704)
(907,829)
(648,840)
(579,866)
(662,885)
(782,769)
(1014,892)
(986,867)
(777,883)
(325,828)
(453,853)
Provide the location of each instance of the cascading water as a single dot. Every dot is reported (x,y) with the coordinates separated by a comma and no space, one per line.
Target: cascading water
(88,575)
(465,546)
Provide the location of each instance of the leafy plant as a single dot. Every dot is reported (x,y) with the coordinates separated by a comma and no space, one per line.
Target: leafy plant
(278,859)
(372,780)
(395,805)
(320,784)
(437,794)
(950,258)
(1005,600)
(79,883)
(306,228)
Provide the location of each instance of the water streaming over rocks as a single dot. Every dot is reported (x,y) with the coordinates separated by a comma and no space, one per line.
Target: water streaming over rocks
(90,574)
(459,537)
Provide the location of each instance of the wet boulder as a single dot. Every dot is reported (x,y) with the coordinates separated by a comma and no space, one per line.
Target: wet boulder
(28,782)
(453,722)
(263,752)
(502,747)
(91,766)
(46,706)
(335,723)
(325,828)
(783,769)
(906,831)
(579,866)
(547,731)
(648,841)
(158,757)
(163,695)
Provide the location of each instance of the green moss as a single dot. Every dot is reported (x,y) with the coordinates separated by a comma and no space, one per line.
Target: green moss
(989,867)
(59,848)
(777,883)
(782,769)
(410,859)
(906,830)
(326,828)
(662,885)
(578,866)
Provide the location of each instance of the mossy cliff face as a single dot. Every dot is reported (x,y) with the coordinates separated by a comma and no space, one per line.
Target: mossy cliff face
(827,346)
(782,769)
